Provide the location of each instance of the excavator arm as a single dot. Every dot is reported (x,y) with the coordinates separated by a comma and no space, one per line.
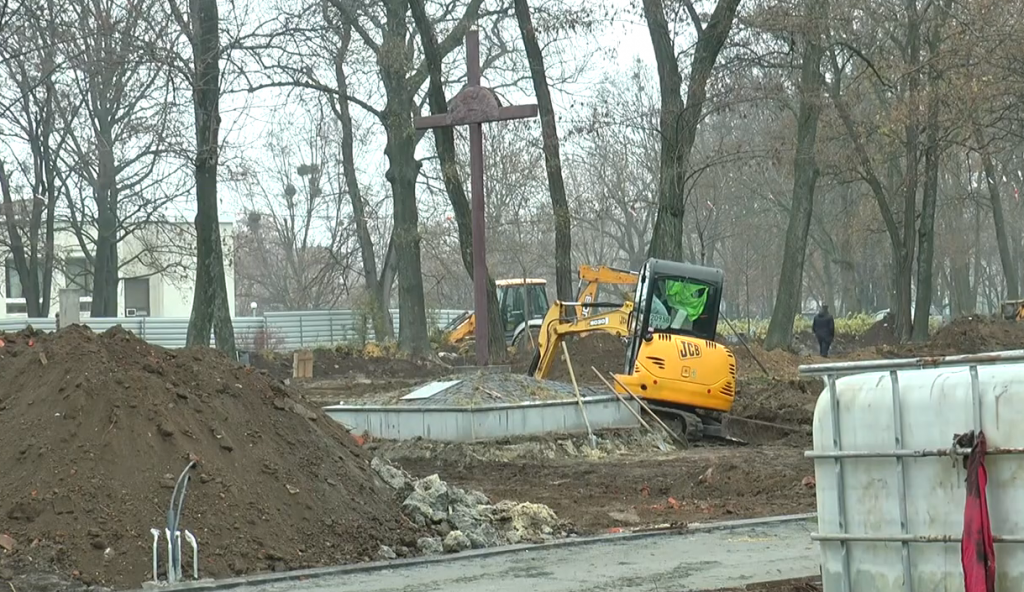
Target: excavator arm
(591,278)
(557,325)
(465,327)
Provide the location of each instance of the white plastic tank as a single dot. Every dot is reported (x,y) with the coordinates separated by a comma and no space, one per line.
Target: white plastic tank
(935,405)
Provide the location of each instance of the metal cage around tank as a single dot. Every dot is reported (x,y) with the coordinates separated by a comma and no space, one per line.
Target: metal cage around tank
(830,372)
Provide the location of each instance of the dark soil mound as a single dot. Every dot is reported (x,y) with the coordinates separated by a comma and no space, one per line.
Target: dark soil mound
(603,351)
(883,332)
(975,335)
(94,429)
(789,402)
(338,363)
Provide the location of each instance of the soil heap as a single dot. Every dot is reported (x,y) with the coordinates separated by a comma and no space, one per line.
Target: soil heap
(974,335)
(94,430)
(603,351)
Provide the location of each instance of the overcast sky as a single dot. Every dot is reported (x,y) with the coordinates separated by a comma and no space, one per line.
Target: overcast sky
(247,119)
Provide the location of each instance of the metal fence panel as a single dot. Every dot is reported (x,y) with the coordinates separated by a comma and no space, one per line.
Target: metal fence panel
(280,331)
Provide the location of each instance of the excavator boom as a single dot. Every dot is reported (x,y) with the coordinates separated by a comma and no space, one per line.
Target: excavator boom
(557,324)
(591,279)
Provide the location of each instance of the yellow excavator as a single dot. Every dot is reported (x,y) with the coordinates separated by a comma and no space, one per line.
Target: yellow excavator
(1013,310)
(519,298)
(522,303)
(672,361)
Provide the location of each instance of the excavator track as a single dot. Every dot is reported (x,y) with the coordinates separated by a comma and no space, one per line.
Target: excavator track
(693,425)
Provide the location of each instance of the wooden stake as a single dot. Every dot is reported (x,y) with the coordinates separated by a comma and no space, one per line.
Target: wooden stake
(579,398)
(677,437)
(622,399)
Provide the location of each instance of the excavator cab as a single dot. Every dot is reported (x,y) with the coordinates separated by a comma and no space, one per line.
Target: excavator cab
(672,359)
(521,301)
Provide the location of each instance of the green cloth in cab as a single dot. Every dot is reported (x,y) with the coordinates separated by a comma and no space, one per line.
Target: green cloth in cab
(687,296)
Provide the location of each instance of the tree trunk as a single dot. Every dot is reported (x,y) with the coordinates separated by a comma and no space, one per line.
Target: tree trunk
(444,144)
(929,197)
(552,159)
(380,316)
(912,146)
(210,303)
(999,220)
(679,120)
(805,176)
(401,174)
(26,273)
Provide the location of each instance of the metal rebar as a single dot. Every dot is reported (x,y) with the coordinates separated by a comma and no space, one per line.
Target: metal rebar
(906,538)
(845,368)
(920,453)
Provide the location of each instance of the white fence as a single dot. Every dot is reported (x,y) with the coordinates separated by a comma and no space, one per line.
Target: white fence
(284,331)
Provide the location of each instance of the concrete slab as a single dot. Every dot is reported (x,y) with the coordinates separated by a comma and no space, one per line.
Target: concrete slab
(696,561)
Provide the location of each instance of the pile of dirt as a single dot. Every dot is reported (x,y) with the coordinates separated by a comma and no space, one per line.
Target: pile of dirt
(779,363)
(603,351)
(787,402)
(974,335)
(344,362)
(883,332)
(95,428)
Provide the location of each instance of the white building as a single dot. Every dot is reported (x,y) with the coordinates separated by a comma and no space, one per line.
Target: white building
(157,273)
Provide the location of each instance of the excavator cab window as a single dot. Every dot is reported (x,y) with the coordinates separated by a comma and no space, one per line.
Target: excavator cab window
(683,306)
(537,297)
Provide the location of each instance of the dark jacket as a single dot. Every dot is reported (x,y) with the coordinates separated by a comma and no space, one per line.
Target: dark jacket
(824,326)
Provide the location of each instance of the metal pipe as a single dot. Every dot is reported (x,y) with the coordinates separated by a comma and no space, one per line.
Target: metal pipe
(170,556)
(922,453)
(976,399)
(177,553)
(905,538)
(833,400)
(844,368)
(901,483)
(191,538)
(156,539)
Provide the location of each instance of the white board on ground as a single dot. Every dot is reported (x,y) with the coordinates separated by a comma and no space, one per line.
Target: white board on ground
(430,389)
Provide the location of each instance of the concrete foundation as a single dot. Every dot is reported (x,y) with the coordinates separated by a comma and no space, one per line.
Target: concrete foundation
(486,422)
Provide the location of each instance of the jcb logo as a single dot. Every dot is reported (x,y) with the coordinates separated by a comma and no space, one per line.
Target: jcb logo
(688,350)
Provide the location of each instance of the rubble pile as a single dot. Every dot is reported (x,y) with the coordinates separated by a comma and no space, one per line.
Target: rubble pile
(459,520)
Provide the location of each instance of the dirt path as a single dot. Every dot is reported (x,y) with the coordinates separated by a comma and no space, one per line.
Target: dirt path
(621,491)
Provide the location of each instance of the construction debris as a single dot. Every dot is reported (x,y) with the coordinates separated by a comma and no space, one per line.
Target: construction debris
(462,520)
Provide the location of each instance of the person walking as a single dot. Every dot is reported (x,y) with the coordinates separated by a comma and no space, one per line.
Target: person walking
(824,328)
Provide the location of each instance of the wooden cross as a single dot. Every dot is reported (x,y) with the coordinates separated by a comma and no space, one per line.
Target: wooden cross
(473,106)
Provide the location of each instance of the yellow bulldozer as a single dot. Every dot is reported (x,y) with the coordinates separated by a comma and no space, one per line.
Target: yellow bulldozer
(672,361)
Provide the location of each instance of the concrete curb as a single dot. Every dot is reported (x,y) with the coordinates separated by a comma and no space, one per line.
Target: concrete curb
(358,568)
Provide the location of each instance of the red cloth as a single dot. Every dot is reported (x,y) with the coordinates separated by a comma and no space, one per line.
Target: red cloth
(977,553)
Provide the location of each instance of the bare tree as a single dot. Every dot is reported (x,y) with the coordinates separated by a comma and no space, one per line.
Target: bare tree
(121,142)
(805,176)
(552,158)
(679,117)
(30,61)
(210,308)
(296,254)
